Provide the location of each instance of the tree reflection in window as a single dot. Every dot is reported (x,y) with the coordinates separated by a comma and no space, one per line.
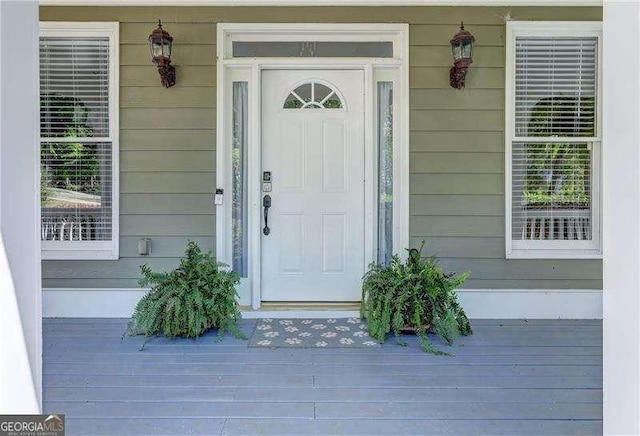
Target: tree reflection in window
(75,182)
(559,173)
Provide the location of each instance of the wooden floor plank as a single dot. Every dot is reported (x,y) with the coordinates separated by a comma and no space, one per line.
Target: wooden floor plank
(200,409)
(144,426)
(390,349)
(410,427)
(72,330)
(314,394)
(530,340)
(420,395)
(139,393)
(328,358)
(389,380)
(363,369)
(462,410)
(176,380)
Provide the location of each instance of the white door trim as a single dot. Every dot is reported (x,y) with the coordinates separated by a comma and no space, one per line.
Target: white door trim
(231,69)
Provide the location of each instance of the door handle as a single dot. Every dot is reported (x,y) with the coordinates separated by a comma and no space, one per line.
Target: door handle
(266,204)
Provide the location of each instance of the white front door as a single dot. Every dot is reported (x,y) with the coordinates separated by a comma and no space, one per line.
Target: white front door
(313,154)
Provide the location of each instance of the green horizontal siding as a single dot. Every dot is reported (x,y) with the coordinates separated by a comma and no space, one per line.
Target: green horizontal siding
(166,160)
(173,182)
(167,204)
(465,120)
(169,225)
(148,97)
(138,54)
(434,34)
(190,76)
(457,141)
(440,56)
(429,226)
(166,118)
(466,99)
(457,183)
(438,78)
(163,246)
(461,205)
(462,162)
(167,140)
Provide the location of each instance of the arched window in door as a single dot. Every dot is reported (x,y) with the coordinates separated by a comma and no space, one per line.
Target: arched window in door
(313,95)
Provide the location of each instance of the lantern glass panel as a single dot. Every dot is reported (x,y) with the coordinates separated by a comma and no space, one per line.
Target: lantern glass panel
(166,49)
(466,50)
(156,49)
(457,51)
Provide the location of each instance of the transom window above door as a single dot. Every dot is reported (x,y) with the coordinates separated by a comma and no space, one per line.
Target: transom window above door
(313,95)
(353,42)
(313,49)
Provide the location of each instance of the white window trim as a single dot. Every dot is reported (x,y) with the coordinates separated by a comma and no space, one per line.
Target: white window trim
(552,249)
(94,250)
(231,69)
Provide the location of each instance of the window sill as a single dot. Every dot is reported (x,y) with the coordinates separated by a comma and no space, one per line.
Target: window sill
(78,255)
(79,250)
(553,254)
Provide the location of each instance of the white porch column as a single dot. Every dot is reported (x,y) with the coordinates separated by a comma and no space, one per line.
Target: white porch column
(621,232)
(20,281)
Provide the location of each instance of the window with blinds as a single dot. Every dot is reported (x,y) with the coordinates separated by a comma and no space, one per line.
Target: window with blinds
(553,141)
(78,141)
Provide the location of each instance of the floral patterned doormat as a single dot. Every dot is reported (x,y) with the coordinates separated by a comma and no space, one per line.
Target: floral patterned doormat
(311,333)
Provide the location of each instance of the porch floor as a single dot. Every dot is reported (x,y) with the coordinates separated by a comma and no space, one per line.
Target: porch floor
(537,377)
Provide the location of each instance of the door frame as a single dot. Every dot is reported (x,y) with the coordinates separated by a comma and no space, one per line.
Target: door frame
(249,70)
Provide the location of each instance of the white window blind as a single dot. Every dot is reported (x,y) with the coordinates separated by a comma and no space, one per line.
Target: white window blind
(78,179)
(555,86)
(554,146)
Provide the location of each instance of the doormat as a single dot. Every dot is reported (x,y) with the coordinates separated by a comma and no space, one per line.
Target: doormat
(311,333)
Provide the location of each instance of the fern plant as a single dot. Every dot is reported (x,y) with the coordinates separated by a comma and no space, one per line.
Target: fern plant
(415,293)
(188,301)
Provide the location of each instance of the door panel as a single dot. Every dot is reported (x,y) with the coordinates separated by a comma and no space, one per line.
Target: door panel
(334,159)
(315,249)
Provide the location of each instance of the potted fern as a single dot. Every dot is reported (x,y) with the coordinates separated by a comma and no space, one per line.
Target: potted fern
(415,294)
(198,295)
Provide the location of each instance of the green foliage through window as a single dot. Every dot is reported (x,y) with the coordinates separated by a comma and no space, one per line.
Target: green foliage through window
(73,166)
(558,174)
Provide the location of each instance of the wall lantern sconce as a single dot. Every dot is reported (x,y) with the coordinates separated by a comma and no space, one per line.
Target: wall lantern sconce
(160,43)
(461,46)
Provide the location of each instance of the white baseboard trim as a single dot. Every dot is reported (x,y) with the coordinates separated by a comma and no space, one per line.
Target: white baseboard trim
(90,303)
(478,304)
(532,303)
